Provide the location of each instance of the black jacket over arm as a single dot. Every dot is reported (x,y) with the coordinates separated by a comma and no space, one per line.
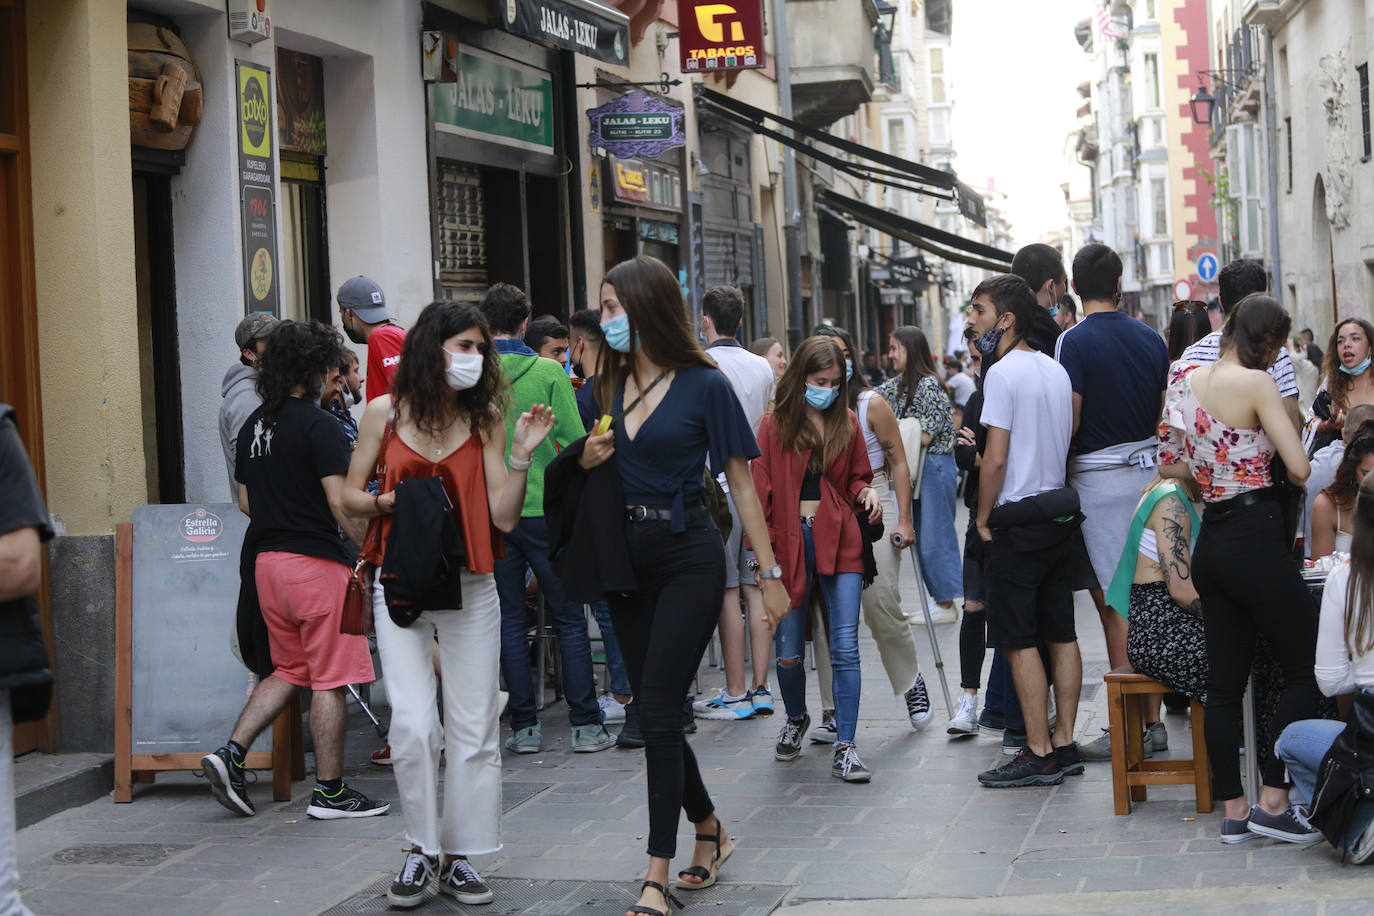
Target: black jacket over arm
(585,511)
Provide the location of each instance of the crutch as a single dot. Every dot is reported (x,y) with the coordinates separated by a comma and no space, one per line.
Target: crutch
(925,606)
(381,729)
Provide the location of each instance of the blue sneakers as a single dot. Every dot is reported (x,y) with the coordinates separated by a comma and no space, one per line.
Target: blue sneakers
(724,706)
(763,701)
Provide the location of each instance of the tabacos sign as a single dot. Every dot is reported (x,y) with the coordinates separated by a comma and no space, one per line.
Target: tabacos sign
(718,35)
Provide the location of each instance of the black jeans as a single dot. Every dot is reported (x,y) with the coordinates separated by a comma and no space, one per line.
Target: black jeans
(1250,585)
(663,631)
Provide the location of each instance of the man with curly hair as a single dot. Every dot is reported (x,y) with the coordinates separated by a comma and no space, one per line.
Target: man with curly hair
(292,458)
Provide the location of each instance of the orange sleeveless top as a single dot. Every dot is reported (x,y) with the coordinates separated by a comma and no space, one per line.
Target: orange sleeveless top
(465,482)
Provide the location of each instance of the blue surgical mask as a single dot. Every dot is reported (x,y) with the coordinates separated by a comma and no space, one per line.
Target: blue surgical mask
(821,398)
(1358,370)
(617,332)
(848,369)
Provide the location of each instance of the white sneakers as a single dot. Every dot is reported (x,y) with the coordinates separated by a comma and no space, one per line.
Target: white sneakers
(965,721)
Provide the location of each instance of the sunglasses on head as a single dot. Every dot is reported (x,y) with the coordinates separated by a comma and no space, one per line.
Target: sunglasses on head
(1191,304)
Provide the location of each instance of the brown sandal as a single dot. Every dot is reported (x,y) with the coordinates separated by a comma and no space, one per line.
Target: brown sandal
(707,875)
(650,911)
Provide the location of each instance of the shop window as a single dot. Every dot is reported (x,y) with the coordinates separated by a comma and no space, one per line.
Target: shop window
(305,288)
(462,232)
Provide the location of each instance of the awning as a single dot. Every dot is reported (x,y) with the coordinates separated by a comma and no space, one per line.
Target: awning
(879,167)
(936,241)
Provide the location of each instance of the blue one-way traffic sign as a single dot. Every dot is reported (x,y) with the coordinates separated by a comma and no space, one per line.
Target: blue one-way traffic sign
(1207,267)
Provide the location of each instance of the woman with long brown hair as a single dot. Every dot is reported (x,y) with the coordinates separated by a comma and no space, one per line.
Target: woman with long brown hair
(1188,323)
(677,414)
(812,473)
(443,418)
(1227,423)
(1344,664)
(1346,375)
(1333,509)
(918,392)
(882,601)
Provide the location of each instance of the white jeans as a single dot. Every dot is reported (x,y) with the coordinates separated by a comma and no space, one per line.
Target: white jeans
(882,606)
(10,904)
(469,658)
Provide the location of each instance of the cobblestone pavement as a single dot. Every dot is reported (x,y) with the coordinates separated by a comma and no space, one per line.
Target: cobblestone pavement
(922,837)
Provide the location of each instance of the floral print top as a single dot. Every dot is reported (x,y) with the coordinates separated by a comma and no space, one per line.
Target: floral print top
(930,405)
(1226,461)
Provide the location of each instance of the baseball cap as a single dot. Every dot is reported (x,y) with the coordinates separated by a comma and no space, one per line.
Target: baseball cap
(254,326)
(364,297)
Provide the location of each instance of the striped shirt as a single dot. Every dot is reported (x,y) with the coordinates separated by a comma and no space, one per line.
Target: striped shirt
(1208,350)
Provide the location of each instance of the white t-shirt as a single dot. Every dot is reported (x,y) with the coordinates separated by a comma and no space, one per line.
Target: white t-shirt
(1029,394)
(960,387)
(751,376)
(1208,350)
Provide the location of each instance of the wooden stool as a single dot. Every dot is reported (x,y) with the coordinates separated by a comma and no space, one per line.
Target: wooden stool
(1131,772)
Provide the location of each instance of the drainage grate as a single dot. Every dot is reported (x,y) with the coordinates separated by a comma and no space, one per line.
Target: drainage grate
(117,854)
(514,794)
(556,898)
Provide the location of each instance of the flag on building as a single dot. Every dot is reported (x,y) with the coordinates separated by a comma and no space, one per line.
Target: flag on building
(1108,27)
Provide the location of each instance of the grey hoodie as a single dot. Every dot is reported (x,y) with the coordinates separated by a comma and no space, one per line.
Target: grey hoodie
(240,394)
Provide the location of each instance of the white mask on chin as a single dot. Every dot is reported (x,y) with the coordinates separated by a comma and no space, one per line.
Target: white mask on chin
(464,370)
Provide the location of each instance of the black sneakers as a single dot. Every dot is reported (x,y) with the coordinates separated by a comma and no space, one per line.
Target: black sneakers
(461,881)
(347,802)
(631,736)
(790,738)
(1025,769)
(416,874)
(226,781)
(1068,759)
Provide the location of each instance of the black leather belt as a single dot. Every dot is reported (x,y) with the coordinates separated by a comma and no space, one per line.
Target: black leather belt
(1216,512)
(659,513)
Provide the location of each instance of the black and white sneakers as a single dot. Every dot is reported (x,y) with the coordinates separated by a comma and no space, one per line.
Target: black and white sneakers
(461,881)
(1289,825)
(918,709)
(225,775)
(413,880)
(347,802)
(847,765)
(790,738)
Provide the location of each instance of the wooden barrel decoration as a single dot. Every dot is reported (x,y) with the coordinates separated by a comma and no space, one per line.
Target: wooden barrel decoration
(166,100)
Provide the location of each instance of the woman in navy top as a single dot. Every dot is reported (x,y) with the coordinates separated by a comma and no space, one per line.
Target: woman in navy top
(682,415)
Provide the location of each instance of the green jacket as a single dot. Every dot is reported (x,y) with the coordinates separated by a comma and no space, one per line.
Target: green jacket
(535,380)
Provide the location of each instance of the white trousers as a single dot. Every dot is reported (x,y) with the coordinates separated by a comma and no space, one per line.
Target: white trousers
(882,607)
(469,659)
(10,904)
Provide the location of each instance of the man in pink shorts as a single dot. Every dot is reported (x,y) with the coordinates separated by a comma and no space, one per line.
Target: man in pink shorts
(291,461)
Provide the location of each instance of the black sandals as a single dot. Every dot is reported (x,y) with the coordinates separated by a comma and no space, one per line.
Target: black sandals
(707,875)
(650,911)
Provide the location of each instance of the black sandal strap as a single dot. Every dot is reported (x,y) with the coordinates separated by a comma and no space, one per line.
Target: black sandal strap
(667,895)
(696,871)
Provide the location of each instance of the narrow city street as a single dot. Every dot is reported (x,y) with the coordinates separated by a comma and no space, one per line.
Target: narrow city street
(923,837)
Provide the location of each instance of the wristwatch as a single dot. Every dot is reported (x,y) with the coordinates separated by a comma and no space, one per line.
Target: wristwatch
(774,573)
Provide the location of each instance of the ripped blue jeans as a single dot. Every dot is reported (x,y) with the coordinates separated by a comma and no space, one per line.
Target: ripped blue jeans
(841,592)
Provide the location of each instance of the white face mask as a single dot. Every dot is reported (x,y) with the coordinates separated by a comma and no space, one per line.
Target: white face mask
(464,370)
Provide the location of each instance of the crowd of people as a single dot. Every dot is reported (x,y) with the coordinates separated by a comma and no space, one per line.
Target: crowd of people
(668,490)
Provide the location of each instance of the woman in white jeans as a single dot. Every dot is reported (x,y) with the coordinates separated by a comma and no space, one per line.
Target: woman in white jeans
(443,419)
(881,601)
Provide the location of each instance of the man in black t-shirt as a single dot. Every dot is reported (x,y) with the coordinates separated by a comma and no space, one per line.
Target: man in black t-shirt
(290,467)
(25,681)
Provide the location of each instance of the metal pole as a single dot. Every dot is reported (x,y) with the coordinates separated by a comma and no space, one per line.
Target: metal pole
(1273,138)
(791,231)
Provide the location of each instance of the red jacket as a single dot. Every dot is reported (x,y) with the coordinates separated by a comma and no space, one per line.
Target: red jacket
(778,474)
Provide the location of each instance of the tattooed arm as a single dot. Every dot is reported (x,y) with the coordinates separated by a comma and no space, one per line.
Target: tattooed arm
(1173,533)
